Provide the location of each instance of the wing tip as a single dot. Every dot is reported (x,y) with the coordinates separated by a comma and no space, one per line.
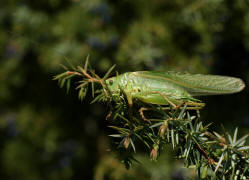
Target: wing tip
(241,86)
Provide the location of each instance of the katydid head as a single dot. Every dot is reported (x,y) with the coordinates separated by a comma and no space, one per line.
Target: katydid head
(113,84)
(117,83)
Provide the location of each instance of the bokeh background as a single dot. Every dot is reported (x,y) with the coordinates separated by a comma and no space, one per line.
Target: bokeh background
(48,134)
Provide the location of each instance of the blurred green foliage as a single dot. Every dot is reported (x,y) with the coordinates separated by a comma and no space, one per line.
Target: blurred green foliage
(46,134)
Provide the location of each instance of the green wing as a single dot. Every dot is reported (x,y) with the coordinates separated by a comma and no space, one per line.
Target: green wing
(199,84)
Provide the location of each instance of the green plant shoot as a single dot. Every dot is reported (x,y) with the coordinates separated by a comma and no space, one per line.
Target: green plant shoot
(171,88)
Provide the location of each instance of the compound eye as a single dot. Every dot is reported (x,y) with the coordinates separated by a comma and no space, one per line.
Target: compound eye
(137,89)
(111,82)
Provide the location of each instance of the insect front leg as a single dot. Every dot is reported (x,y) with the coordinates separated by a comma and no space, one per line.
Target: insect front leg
(130,103)
(110,112)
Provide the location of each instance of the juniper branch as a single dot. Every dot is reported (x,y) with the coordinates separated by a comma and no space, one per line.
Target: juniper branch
(225,156)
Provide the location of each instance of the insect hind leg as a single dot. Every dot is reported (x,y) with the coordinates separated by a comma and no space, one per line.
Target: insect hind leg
(192,104)
(195,105)
(165,98)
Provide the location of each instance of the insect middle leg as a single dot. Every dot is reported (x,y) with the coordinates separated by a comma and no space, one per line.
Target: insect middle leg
(141,111)
(179,105)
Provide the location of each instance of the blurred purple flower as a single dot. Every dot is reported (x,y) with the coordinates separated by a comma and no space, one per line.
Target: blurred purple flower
(96,43)
(11,126)
(103,11)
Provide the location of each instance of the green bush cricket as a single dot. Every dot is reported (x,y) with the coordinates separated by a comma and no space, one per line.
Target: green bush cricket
(171,88)
(160,88)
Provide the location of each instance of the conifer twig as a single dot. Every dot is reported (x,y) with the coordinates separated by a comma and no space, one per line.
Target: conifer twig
(223,155)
